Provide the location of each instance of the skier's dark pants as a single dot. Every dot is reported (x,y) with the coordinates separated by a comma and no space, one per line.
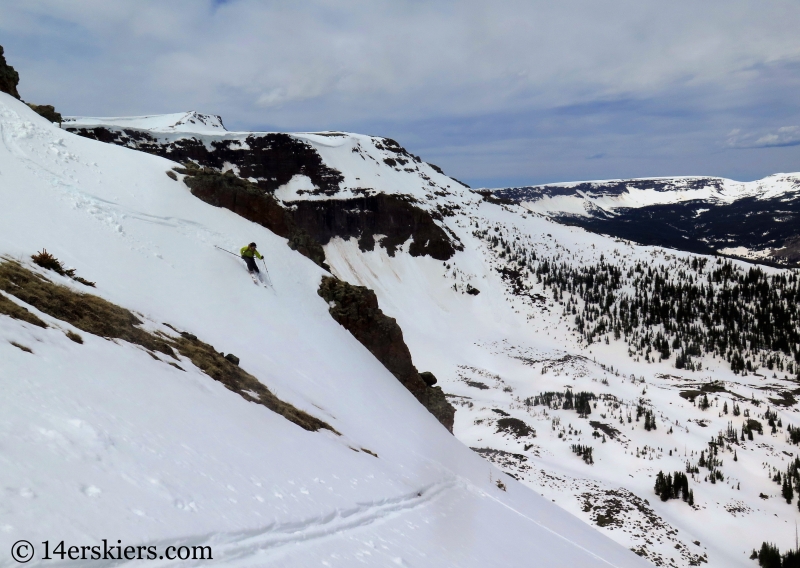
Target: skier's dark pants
(251,264)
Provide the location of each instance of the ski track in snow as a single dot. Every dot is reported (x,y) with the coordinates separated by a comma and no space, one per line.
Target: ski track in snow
(109,214)
(253,547)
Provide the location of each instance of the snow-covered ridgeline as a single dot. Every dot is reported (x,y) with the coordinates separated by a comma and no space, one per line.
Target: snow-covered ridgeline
(191,121)
(367,164)
(580,198)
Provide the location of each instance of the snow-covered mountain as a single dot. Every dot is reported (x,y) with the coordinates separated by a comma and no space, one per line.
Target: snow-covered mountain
(123,421)
(756,220)
(583,365)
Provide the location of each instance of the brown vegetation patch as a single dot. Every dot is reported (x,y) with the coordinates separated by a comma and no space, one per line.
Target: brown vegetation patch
(74,337)
(48,261)
(88,313)
(515,427)
(9,308)
(18,346)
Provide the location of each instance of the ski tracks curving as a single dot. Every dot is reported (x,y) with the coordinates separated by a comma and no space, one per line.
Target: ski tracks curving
(251,547)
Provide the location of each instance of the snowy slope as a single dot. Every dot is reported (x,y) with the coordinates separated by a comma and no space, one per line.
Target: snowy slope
(511,342)
(101,441)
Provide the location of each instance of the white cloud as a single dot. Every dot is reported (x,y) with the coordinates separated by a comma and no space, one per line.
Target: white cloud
(783,136)
(419,58)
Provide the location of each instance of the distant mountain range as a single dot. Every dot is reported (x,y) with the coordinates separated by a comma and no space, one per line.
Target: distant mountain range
(757,220)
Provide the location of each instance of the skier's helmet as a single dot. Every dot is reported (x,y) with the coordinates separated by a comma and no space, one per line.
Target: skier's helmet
(253,245)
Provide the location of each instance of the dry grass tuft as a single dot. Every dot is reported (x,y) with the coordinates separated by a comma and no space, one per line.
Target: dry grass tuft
(11,309)
(86,312)
(18,346)
(75,337)
(48,261)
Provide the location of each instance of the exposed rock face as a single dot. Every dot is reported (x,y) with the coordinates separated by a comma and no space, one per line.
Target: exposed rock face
(9,78)
(356,309)
(392,215)
(252,203)
(429,378)
(271,159)
(47,111)
(310,224)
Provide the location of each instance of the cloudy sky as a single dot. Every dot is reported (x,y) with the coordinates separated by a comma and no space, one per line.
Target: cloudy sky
(497,93)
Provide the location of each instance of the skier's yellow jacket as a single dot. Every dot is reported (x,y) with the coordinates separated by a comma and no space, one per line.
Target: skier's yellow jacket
(246,251)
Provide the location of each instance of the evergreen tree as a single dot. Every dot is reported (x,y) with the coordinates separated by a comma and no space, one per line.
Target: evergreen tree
(786,489)
(769,556)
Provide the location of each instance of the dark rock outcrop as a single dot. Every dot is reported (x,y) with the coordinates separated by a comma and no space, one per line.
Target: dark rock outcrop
(356,309)
(394,216)
(47,111)
(9,78)
(271,159)
(429,378)
(310,224)
(251,202)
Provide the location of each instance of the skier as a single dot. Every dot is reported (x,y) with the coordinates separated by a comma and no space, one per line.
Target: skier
(249,255)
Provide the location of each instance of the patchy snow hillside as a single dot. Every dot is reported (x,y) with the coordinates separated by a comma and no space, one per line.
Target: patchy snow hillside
(756,220)
(583,365)
(498,351)
(128,441)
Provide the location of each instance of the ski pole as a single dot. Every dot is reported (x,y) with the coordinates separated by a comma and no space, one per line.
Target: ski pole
(266,271)
(229,252)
